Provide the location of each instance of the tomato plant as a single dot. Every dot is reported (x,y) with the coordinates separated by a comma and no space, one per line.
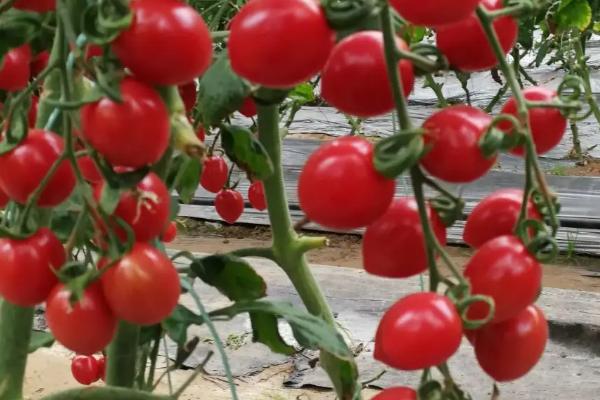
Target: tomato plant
(85,369)
(229,204)
(15,69)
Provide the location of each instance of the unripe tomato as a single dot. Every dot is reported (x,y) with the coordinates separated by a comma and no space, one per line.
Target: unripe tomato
(465,44)
(85,369)
(355,78)
(248,108)
(421,330)
(504,270)
(188,93)
(170,233)
(40,6)
(229,205)
(85,327)
(432,13)
(134,133)
(397,393)
(23,168)
(33,110)
(214,174)
(510,349)
(143,287)
(339,187)
(256,195)
(15,69)
(89,169)
(168,42)
(453,136)
(399,231)
(39,63)
(279,44)
(548,125)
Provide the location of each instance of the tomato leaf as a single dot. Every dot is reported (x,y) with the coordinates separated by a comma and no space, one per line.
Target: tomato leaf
(103,21)
(573,14)
(302,94)
(40,339)
(246,151)
(266,331)
(17,28)
(177,324)
(187,178)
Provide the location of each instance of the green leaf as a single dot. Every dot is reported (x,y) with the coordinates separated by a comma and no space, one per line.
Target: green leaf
(188,178)
(302,94)
(266,331)
(39,340)
(246,151)
(174,208)
(573,14)
(179,321)
(414,33)
(17,28)
(526,29)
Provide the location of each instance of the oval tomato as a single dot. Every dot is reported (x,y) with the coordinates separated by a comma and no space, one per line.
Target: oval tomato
(93,50)
(340,188)
(355,78)
(89,169)
(432,13)
(453,135)
(15,69)
(214,174)
(188,93)
(39,63)
(143,287)
(85,369)
(397,393)
(279,44)
(134,133)
(465,45)
(229,205)
(170,233)
(40,6)
(248,108)
(399,232)
(421,330)
(256,195)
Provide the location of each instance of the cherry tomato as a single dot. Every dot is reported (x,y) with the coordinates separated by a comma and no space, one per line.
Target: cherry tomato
(248,108)
(548,125)
(15,69)
(421,330)
(133,133)
(93,50)
(143,287)
(397,393)
(453,135)
(229,205)
(102,368)
(89,169)
(399,231)
(503,269)
(3,199)
(188,93)
(355,78)
(496,215)
(340,188)
(200,133)
(170,233)
(23,168)
(465,44)
(168,42)
(85,369)
(33,110)
(214,174)
(279,44)
(432,13)
(256,195)
(510,349)
(40,6)
(39,63)
(85,327)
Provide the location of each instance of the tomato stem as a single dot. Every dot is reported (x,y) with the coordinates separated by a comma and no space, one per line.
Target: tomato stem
(122,356)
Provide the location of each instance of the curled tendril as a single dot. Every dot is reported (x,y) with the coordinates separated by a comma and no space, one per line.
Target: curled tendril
(463,308)
(343,14)
(429,50)
(572,90)
(496,139)
(539,242)
(449,209)
(395,154)
(540,203)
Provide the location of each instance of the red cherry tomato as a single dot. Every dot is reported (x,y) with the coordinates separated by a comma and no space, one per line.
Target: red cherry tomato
(496,215)
(200,133)
(168,42)
(85,369)
(102,368)
(40,6)
(39,63)
(15,69)
(23,168)
(133,133)
(214,174)
(85,327)
(256,195)
(89,169)
(510,349)
(397,393)
(432,13)
(143,287)
(188,93)
(340,188)
(421,330)
(229,205)
(548,125)
(93,50)
(248,108)
(170,233)
(3,199)
(453,135)
(266,36)
(355,79)
(503,269)
(33,110)
(465,45)
(399,231)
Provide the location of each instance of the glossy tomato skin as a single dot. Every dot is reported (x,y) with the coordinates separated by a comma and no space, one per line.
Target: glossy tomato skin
(170,233)
(85,369)
(39,63)
(23,168)
(40,6)
(503,269)
(168,42)
(102,368)
(510,349)
(256,195)
(401,345)
(15,69)
(496,215)
(188,93)
(465,45)
(548,125)
(453,135)
(432,13)
(134,133)
(339,187)
(143,287)
(229,205)
(355,78)
(86,327)
(89,169)
(397,393)
(248,108)
(266,38)
(394,245)
(214,174)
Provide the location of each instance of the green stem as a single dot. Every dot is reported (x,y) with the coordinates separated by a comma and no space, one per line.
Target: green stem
(122,356)
(437,89)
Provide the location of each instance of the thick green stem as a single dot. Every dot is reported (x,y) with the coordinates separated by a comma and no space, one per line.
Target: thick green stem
(122,356)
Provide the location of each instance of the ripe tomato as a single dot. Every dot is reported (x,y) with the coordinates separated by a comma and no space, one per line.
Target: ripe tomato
(93,50)
(399,231)
(279,44)
(397,393)
(23,168)
(40,6)
(39,63)
(200,133)
(453,134)
(355,78)
(256,195)
(85,327)
(229,205)
(33,110)
(85,369)
(548,125)
(340,188)
(496,215)
(188,93)
(465,45)
(15,69)
(510,349)
(3,199)
(214,174)
(143,287)
(89,169)
(168,42)
(133,133)
(102,368)
(421,330)
(248,108)
(170,233)
(503,269)
(432,13)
